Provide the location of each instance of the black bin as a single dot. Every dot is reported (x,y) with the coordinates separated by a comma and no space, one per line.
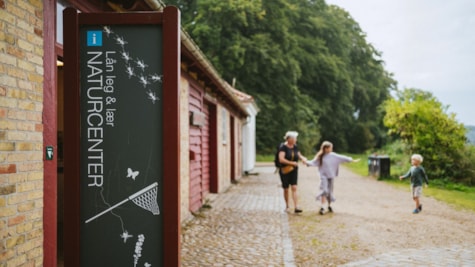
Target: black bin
(379,166)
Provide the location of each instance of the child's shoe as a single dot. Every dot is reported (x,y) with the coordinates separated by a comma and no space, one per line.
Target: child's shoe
(330,209)
(322,211)
(420,207)
(416,211)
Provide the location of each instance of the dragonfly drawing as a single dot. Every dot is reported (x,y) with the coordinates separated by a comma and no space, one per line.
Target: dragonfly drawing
(125,235)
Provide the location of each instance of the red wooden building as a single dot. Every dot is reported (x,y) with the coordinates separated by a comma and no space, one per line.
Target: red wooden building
(211,119)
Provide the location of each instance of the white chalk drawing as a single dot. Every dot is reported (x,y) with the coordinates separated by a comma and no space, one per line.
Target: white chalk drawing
(152,96)
(145,198)
(130,71)
(108,30)
(125,56)
(138,249)
(140,66)
(120,41)
(113,213)
(125,235)
(156,78)
(132,174)
(144,81)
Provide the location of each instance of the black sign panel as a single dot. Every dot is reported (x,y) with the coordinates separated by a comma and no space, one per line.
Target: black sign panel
(121,145)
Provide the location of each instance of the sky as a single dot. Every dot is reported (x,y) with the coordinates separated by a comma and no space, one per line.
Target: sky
(426,44)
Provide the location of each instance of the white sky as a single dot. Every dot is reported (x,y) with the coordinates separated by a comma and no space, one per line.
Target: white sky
(427,44)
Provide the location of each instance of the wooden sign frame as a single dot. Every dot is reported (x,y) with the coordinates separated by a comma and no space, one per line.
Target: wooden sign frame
(169,20)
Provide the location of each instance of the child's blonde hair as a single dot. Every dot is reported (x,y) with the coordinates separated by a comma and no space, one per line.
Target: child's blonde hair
(417,157)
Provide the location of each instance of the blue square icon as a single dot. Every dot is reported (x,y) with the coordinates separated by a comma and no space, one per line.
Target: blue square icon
(94,38)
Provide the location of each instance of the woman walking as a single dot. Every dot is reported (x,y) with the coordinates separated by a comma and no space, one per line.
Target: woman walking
(288,158)
(328,163)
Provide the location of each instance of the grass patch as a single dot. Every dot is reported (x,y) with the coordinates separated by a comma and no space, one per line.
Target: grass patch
(265,158)
(461,196)
(360,167)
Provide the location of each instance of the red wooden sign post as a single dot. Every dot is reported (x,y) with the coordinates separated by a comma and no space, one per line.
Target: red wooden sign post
(121,138)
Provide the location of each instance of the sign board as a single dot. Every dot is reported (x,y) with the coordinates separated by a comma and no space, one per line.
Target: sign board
(49,152)
(121,149)
(121,141)
(197,118)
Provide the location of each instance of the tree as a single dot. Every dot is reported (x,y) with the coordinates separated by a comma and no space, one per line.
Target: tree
(307,64)
(422,122)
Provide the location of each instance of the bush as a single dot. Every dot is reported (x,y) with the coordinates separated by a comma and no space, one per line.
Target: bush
(465,165)
(423,124)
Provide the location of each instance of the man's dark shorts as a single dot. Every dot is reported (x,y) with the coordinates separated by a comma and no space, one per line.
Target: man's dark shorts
(289,179)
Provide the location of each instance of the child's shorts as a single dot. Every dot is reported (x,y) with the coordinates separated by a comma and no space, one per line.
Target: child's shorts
(416,191)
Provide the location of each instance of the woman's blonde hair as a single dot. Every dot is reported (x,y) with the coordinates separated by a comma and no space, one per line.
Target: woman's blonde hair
(321,152)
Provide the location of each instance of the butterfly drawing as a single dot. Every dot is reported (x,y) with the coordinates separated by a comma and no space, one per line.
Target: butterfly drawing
(132,174)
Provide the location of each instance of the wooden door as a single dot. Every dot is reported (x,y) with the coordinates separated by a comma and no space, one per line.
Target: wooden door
(199,151)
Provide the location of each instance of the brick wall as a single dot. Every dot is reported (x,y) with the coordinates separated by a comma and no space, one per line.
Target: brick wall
(21,133)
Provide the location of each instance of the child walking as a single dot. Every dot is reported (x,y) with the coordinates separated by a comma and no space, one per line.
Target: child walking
(418,177)
(327,162)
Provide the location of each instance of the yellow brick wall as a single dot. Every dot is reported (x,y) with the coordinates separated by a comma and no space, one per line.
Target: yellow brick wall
(21,133)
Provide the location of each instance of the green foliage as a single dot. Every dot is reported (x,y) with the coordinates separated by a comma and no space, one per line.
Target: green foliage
(422,122)
(307,64)
(265,158)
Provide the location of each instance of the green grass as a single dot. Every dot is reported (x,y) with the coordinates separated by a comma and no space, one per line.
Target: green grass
(360,167)
(265,158)
(461,196)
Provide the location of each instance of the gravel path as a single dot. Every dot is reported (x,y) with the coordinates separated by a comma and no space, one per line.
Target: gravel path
(373,222)
(373,225)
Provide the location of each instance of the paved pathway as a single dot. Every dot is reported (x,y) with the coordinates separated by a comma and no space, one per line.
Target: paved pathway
(247,226)
(445,256)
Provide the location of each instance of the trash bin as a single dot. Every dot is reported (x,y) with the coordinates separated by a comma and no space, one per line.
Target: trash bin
(379,166)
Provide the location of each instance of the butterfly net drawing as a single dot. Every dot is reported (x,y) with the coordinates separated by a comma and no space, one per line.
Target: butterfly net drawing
(145,198)
(148,201)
